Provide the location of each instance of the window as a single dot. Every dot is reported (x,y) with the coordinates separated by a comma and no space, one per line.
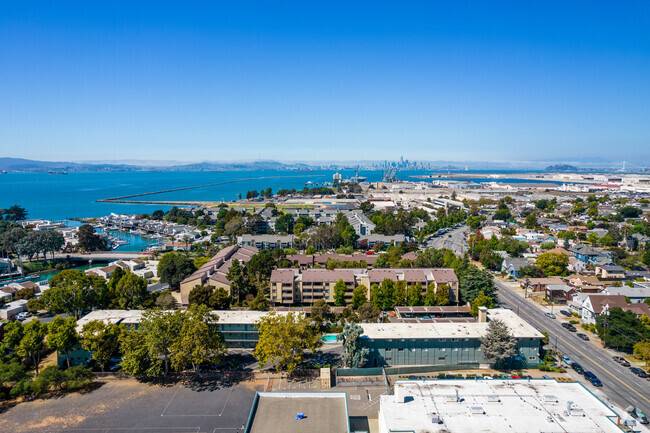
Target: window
(455,349)
(425,350)
(389,350)
(466,349)
(442,340)
(441,358)
(453,340)
(465,339)
(372,350)
(400,350)
(532,358)
(412,350)
(443,349)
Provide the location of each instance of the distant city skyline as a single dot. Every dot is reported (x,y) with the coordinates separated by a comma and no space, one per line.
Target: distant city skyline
(433,81)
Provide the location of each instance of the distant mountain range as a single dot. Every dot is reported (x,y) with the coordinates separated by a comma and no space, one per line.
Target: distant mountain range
(33,166)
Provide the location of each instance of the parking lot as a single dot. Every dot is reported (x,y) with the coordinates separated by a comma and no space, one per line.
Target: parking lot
(127,406)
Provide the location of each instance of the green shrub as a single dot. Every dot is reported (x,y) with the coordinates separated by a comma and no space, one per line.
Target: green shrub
(574,322)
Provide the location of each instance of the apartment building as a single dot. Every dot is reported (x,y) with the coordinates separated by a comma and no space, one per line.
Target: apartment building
(306,286)
(213,273)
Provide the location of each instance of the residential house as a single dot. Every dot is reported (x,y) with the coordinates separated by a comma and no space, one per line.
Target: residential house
(512,266)
(559,293)
(639,293)
(610,272)
(596,304)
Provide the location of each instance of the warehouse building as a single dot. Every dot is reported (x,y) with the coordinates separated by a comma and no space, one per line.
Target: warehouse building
(299,412)
(446,343)
(503,406)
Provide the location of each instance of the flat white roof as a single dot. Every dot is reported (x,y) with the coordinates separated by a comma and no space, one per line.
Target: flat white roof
(518,327)
(134,316)
(499,406)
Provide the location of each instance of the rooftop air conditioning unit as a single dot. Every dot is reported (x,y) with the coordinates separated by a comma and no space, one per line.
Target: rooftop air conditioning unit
(477,410)
(493,398)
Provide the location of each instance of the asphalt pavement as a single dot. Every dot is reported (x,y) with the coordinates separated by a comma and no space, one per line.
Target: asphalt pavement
(453,240)
(620,385)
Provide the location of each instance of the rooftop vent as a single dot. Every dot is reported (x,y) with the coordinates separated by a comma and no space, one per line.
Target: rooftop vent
(477,410)
(435,419)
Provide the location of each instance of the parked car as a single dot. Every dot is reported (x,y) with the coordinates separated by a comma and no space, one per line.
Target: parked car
(639,372)
(637,414)
(566,360)
(550,315)
(546,376)
(572,329)
(565,313)
(582,336)
(566,325)
(578,368)
(621,361)
(593,379)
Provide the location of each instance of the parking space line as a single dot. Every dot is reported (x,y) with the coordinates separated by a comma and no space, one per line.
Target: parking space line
(170,401)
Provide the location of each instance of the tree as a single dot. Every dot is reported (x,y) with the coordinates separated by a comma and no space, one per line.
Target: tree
(174,268)
(283,340)
(321,312)
(260,302)
(200,295)
(220,299)
(15,213)
(131,291)
(498,345)
(284,224)
(237,277)
(399,294)
(166,301)
(101,339)
(442,295)
(199,340)
(414,297)
(73,292)
(491,260)
(386,292)
(89,240)
(531,220)
(481,301)
(621,329)
(62,335)
(32,343)
(14,332)
(339,293)
(368,313)
(136,358)
(473,281)
(642,351)
(359,296)
(161,329)
(353,356)
(552,264)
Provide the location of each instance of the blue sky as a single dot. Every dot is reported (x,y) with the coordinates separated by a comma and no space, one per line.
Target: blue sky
(452,80)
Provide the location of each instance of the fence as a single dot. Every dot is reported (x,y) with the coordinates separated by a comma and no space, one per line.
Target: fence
(406,369)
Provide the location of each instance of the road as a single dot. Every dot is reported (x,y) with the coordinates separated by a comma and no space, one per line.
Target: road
(621,386)
(453,240)
(101,255)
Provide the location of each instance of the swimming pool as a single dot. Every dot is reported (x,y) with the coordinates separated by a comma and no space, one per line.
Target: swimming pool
(329,338)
